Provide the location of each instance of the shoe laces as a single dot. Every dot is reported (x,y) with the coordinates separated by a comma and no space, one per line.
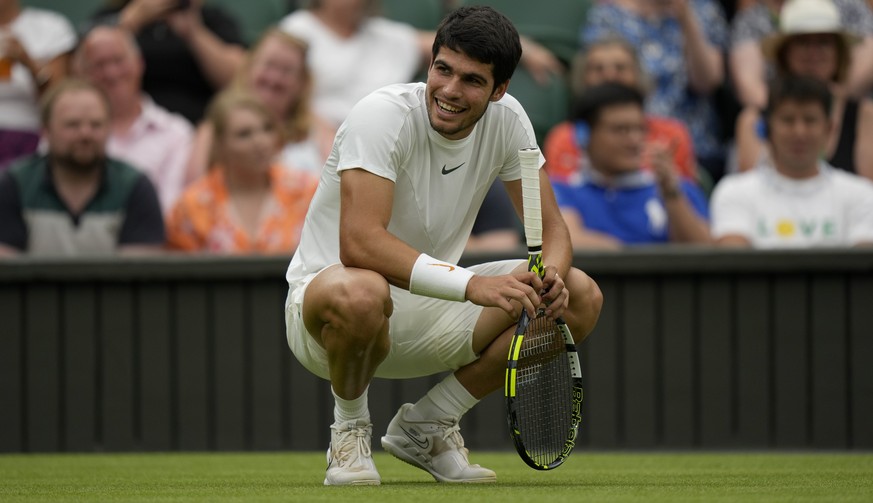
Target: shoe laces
(352,444)
(452,436)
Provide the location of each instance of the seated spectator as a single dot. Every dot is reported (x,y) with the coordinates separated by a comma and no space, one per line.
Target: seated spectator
(246,203)
(35,45)
(615,202)
(191,51)
(681,44)
(75,200)
(793,198)
(613,59)
(143,133)
(751,26)
(812,43)
(276,71)
(353,51)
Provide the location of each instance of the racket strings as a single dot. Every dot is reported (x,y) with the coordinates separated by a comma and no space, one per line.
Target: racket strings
(544,388)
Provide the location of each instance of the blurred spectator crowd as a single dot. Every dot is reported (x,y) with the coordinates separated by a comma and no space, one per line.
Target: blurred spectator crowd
(158,126)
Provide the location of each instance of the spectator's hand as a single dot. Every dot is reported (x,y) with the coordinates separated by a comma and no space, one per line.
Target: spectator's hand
(660,158)
(139,13)
(539,61)
(676,8)
(186,21)
(13,50)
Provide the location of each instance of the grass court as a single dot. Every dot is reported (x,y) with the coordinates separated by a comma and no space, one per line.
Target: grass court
(297,477)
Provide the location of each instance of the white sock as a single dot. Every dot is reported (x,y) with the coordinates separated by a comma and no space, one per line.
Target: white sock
(448,399)
(350,410)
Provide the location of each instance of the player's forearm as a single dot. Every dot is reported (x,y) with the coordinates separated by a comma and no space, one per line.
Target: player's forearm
(557,248)
(378,251)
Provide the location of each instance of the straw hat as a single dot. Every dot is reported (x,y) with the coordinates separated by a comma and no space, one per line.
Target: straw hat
(803,17)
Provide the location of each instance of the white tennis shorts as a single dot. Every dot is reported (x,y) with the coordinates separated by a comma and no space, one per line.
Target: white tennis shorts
(427,335)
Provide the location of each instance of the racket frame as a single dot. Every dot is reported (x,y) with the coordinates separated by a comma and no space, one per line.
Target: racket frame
(529,159)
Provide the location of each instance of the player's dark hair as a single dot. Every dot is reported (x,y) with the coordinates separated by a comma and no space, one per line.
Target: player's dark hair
(589,106)
(799,90)
(483,34)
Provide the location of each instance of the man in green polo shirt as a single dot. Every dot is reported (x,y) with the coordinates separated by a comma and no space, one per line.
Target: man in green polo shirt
(74,200)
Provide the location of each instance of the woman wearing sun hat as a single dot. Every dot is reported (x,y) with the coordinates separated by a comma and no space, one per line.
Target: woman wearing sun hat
(812,42)
(749,69)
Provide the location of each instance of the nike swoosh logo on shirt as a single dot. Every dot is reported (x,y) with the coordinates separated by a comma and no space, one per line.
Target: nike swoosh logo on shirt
(447,171)
(415,440)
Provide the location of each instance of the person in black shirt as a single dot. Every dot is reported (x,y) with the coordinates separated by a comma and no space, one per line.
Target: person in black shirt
(191,51)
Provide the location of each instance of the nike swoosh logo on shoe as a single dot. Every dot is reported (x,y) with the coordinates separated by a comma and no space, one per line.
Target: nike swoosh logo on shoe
(416,440)
(447,171)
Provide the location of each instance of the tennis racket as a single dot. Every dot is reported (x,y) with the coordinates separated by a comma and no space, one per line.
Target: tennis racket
(543,374)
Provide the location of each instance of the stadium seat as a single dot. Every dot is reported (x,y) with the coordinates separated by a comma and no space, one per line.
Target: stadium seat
(553,23)
(423,14)
(545,105)
(254,16)
(77,11)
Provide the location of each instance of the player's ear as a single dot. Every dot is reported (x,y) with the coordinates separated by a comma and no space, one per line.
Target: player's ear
(499,91)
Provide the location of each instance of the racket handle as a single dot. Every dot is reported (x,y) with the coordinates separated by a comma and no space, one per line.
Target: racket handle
(529,158)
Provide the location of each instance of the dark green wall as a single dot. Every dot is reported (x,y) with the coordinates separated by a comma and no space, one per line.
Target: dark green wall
(695,349)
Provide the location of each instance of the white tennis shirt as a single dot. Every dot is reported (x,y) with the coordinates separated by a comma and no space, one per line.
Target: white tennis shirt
(439,183)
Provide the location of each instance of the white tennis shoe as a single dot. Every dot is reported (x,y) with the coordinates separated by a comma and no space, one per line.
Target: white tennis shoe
(435,446)
(349,457)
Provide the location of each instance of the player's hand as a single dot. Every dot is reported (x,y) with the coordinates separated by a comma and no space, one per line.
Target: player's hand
(555,298)
(507,292)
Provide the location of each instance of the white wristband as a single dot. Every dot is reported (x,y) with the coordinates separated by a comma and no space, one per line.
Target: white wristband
(442,280)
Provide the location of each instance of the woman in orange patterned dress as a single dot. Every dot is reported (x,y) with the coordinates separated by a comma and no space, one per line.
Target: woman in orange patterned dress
(245,203)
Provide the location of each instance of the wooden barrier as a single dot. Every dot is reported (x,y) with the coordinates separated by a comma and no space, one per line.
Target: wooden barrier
(695,348)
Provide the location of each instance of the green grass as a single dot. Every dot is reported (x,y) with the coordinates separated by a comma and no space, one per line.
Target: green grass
(586,476)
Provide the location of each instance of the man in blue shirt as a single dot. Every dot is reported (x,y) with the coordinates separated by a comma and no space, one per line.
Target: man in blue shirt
(615,201)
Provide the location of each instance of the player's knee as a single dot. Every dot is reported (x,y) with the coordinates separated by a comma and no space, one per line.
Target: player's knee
(361,305)
(586,301)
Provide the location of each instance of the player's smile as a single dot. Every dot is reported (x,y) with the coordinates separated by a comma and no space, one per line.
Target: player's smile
(448,108)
